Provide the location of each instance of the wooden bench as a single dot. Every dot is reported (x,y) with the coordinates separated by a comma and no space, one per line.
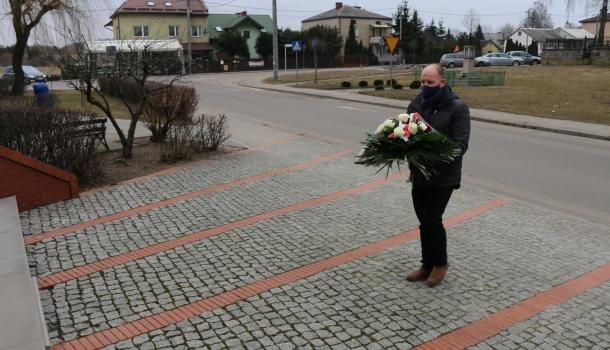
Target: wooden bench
(92,127)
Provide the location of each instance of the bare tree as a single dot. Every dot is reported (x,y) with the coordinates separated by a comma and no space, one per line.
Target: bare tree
(537,16)
(128,69)
(27,14)
(602,14)
(506,30)
(471,21)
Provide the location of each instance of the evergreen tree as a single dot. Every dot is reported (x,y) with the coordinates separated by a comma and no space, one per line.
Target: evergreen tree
(351,45)
(533,48)
(401,22)
(478,37)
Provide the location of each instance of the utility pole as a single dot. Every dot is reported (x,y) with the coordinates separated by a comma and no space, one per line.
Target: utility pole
(190,36)
(400,41)
(275,42)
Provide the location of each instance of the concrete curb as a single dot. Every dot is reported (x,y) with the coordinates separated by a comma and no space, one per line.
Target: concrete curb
(474,116)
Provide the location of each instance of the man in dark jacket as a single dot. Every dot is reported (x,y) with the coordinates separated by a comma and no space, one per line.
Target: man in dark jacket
(447,114)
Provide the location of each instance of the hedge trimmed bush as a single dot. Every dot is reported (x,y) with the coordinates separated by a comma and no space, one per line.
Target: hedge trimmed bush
(378,82)
(363,83)
(51,136)
(398,86)
(415,84)
(346,84)
(391,82)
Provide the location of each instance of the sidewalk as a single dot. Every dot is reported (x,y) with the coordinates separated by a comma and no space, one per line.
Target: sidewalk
(567,127)
(292,245)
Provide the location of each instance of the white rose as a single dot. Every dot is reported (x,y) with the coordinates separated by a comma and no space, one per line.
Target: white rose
(380,128)
(398,132)
(404,117)
(412,128)
(389,124)
(422,126)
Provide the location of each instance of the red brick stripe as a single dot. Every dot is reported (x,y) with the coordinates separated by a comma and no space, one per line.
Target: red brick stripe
(112,217)
(221,300)
(180,167)
(63,276)
(495,323)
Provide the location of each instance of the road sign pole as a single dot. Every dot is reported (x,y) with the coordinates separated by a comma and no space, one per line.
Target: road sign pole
(315,63)
(391,66)
(296,58)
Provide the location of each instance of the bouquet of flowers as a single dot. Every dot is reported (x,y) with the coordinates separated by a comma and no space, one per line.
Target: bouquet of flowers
(408,138)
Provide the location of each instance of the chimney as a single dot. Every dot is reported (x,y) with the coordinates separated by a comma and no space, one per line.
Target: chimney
(338,5)
(244,13)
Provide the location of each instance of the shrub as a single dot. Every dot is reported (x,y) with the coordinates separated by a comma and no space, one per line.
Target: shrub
(127,87)
(177,146)
(203,134)
(49,136)
(346,84)
(398,86)
(378,82)
(168,106)
(378,87)
(391,82)
(415,84)
(363,83)
(209,132)
(6,86)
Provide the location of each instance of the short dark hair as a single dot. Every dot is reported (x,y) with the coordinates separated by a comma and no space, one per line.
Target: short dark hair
(439,69)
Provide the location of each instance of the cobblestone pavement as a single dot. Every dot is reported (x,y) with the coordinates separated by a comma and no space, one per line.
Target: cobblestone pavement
(498,257)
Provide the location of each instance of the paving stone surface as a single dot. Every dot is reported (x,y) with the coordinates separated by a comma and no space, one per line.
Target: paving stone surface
(581,323)
(497,259)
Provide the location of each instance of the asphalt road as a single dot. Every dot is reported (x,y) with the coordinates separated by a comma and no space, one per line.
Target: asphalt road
(566,173)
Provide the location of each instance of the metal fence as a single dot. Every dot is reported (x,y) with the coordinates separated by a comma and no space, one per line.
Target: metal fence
(475,78)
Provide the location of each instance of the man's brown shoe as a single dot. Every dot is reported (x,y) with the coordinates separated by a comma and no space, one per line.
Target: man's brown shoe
(418,275)
(437,275)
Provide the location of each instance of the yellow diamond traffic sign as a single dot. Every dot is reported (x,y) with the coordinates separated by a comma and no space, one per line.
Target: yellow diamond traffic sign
(392,43)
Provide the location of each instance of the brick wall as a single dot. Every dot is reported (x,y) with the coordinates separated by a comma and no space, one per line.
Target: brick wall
(34,183)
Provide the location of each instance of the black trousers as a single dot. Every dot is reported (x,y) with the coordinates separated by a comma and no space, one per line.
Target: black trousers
(430,204)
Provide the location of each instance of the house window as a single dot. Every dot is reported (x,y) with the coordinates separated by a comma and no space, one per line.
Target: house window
(140,31)
(246,34)
(519,34)
(173,31)
(198,30)
(218,29)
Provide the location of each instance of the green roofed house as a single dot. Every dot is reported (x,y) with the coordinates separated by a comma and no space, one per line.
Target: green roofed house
(249,26)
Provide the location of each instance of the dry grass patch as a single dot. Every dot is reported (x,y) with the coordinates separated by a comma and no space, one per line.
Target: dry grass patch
(579,93)
(72,100)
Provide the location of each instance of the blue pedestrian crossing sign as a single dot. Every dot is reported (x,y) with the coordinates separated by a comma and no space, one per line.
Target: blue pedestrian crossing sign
(297,45)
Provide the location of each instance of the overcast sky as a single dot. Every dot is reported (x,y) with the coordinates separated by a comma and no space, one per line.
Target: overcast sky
(494,13)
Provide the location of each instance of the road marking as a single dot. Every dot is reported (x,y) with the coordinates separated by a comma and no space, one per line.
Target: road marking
(359,109)
(164,319)
(100,265)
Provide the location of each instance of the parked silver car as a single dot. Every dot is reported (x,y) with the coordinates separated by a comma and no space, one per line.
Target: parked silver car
(497,59)
(451,60)
(527,57)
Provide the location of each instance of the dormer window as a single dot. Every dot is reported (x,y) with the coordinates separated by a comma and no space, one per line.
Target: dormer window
(150,3)
(218,29)
(168,4)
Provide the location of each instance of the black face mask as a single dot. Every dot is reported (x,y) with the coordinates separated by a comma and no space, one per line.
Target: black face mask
(430,91)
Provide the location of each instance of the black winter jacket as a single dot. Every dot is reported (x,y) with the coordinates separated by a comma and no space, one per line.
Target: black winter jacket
(450,116)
